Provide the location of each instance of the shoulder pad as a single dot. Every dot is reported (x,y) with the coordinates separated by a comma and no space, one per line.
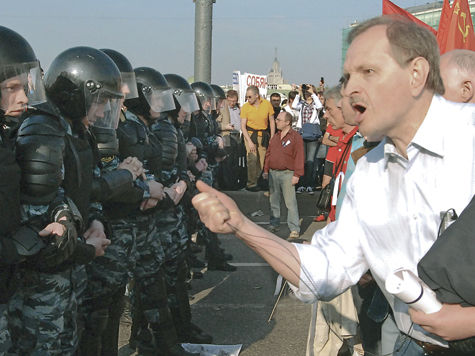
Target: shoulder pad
(131,132)
(42,124)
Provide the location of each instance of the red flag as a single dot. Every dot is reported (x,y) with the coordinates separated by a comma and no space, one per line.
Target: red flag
(444,24)
(391,9)
(456,27)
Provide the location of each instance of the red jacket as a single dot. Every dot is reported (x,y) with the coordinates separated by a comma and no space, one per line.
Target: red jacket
(285,153)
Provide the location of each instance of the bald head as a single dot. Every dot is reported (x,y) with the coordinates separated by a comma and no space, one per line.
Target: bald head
(457,69)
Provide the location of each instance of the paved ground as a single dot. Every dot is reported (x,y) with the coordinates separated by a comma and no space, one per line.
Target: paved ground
(234,307)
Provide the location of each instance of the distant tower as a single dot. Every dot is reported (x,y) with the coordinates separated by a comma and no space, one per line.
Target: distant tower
(275,77)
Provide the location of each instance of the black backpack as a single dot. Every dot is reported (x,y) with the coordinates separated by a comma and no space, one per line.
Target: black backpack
(232,172)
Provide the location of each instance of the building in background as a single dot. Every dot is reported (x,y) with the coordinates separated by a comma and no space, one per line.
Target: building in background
(275,77)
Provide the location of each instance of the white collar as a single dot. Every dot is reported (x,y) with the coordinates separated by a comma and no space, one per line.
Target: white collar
(430,134)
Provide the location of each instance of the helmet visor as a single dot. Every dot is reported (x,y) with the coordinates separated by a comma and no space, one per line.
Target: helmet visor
(208,103)
(27,77)
(160,100)
(129,85)
(103,110)
(187,101)
(219,103)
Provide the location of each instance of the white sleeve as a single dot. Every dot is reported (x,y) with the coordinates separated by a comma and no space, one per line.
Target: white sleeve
(296,103)
(316,102)
(334,261)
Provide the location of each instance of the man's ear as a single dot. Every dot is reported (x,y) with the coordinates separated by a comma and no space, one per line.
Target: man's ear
(419,71)
(467,92)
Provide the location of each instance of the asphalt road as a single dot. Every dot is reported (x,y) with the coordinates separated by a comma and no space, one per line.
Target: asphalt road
(235,307)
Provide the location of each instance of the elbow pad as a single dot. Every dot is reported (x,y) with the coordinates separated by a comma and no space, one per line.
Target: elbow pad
(111,184)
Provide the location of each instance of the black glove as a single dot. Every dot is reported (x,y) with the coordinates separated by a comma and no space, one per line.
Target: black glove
(58,248)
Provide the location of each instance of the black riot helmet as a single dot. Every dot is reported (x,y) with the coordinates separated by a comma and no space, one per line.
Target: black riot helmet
(205,95)
(83,82)
(219,95)
(17,60)
(155,95)
(218,91)
(183,92)
(129,84)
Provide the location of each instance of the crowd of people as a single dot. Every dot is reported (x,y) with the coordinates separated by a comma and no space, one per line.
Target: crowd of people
(396,126)
(99,165)
(108,171)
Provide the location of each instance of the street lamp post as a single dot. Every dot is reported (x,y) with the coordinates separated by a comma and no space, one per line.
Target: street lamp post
(203,39)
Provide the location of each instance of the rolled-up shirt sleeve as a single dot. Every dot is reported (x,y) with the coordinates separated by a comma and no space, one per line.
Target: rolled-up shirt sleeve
(334,260)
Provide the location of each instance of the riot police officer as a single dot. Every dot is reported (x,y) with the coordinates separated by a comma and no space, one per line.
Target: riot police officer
(152,317)
(219,97)
(174,169)
(83,89)
(20,85)
(107,275)
(201,125)
(204,127)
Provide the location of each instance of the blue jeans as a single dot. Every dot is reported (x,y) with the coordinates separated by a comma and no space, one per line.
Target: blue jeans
(308,179)
(280,183)
(405,346)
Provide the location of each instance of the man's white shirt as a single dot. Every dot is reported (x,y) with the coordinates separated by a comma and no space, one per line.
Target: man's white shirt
(392,210)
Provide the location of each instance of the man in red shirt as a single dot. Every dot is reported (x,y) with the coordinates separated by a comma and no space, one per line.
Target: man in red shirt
(337,156)
(284,165)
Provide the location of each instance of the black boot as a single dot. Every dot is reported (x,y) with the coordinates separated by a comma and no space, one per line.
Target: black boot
(227,256)
(220,265)
(195,262)
(91,341)
(110,337)
(215,255)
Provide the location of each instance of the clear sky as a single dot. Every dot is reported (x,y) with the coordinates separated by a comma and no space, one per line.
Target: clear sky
(160,34)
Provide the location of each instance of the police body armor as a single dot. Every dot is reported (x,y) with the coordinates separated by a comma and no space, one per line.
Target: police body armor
(79,164)
(185,128)
(200,126)
(10,217)
(106,140)
(136,140)
(40,150)
(113,182)
(41,153)
(214,123)
(167,134)
(181,160)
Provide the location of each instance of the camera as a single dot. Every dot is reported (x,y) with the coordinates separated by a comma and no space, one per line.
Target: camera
(304,86)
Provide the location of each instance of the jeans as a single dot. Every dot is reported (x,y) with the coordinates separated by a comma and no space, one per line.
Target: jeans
(280,183)
(405,346)
(389,335)
(310,149)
